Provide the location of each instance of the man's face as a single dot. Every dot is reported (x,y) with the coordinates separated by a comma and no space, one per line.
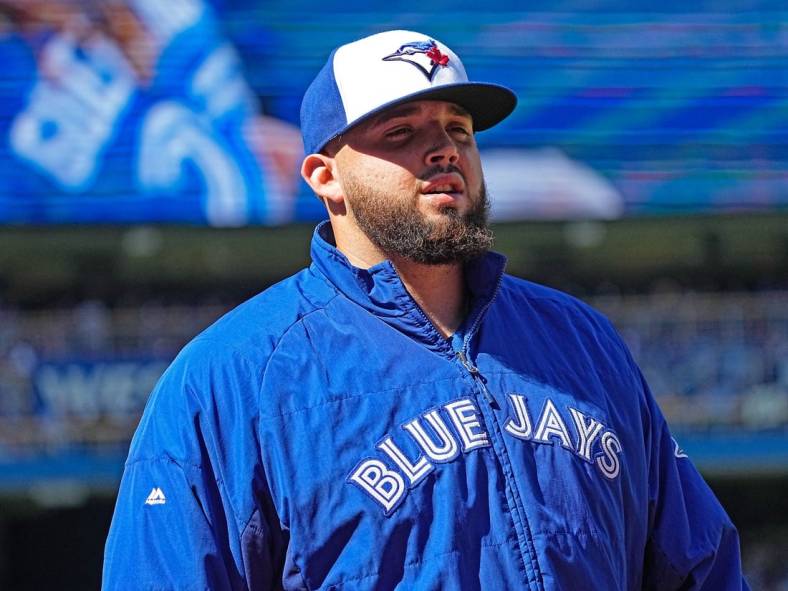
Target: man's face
(413,181)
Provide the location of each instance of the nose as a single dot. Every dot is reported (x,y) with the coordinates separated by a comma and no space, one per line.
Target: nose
(442,150)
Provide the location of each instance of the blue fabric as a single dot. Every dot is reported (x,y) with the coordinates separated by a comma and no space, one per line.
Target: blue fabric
(541,463)
(322,110)
(458,337)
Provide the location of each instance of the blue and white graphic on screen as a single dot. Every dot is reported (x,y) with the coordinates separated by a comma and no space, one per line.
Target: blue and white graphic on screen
(148,116)
(97,138)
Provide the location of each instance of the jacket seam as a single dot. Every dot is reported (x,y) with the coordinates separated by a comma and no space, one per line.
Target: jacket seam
(527,551)
(558,532)
(262,375)
(164,458)
(317,358)
(216,477)
(349,396)
(372,393)
(182,466)
(295,323)
(668,562)
(260,531)
(244,523)
(409,564)
(343,262)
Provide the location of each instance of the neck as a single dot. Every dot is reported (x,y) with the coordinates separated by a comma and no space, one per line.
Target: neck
(439,290)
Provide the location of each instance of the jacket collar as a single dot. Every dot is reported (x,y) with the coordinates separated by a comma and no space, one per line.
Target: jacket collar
(380,291)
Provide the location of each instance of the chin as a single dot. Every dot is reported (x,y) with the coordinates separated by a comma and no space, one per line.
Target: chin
(442,217)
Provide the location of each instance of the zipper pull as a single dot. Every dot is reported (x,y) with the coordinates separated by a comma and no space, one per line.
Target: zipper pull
(476,374)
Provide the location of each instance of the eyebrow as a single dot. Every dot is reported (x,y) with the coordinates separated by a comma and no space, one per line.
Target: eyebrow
(403,111)
(458,110)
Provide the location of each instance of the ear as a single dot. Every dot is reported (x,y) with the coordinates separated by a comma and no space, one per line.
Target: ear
(320,172)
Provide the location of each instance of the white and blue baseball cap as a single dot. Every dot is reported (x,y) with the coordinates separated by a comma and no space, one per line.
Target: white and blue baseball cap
(377,72)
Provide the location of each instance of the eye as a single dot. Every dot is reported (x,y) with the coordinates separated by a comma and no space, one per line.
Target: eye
(460,129)
(398,133)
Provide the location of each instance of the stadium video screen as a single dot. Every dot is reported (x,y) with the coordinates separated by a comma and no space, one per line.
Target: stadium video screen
(186,111)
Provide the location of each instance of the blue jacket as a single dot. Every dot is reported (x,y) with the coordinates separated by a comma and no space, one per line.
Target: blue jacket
(323,435)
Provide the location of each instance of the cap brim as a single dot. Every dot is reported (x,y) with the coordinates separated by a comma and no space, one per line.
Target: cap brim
(488,104)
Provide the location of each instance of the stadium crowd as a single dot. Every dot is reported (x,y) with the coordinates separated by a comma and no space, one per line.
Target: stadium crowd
(713,360)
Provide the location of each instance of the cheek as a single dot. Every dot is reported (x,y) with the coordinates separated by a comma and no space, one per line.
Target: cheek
(474,175)
(390,178)
(381,181)
(370,170)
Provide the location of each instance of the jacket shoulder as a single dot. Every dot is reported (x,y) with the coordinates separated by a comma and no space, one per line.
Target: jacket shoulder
(217,376)
(553,309)
(256,325)
(543,296)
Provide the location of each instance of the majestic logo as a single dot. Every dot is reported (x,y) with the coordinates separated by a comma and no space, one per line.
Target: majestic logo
(156,497)
(677,451)
(425,55)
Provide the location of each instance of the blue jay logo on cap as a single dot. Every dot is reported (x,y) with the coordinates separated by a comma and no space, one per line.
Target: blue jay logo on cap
(426,52)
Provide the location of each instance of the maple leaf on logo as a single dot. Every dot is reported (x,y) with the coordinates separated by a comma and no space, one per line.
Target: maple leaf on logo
(437,57)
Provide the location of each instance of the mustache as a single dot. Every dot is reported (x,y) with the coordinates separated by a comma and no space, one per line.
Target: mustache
(439,169)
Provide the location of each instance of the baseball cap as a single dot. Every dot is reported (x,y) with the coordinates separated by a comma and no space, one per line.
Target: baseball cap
(365,77)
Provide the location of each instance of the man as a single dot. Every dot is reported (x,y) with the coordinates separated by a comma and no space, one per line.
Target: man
(402,414)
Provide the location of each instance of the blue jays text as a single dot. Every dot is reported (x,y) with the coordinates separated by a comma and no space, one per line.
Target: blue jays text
(438,444)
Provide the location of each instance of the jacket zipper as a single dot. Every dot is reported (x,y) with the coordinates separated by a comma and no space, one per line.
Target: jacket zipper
(522,529)
(479,378)
(462,354)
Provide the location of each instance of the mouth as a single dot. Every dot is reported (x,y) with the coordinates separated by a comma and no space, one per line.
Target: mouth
(444,188)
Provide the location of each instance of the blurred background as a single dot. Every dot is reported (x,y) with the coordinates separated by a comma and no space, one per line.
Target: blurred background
(148,183)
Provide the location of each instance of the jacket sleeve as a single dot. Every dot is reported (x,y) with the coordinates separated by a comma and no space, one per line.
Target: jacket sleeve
(188,512)
(692,544)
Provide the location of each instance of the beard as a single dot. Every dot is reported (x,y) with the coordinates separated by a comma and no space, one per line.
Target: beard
(397,227)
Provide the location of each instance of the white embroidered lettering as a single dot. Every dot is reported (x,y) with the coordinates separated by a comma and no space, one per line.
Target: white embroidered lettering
(608,463)
(414,472)
(465,417)
(521,428)
(586,433)
(446,450)
(552,425)
(385,486)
